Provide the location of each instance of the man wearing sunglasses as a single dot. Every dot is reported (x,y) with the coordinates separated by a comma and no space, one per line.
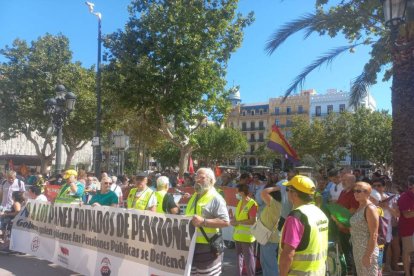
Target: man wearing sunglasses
(304,242)
(406,223)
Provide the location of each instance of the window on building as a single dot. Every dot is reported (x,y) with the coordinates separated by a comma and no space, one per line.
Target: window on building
(277,122)
(252,161)
(288,110)
(261,126)
(252,126)
(329,109)
(244,113)
(318,110)
(277,110)
(244,126)
(261,111)
(261,139)
(342,108)
(252,137)
(251,148)
(300,109)
(288,134)
(288,122)
(252,112)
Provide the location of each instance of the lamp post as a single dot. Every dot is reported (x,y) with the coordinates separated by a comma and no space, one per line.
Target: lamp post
(395,15)
(97,138)
(59,107)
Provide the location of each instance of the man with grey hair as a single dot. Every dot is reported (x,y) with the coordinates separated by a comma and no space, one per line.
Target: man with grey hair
(7,187)
(165,201)
(209,212)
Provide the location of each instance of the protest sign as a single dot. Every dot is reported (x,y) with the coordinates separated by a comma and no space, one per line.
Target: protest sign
(104,240)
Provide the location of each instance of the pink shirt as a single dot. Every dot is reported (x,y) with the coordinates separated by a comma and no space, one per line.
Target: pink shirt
(293,232)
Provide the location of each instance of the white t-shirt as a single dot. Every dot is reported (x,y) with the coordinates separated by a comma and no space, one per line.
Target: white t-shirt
(116,189)
(41,198)
(7,200)
(335,191)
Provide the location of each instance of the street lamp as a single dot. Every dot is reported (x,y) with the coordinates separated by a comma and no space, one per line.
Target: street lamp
(97,138)
(396,13)
(59,107)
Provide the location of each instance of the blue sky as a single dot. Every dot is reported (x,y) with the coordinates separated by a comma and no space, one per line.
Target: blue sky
(260,76)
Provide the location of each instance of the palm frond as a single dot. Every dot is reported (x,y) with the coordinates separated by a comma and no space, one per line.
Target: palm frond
(359,89)
(288,29)
(324,59)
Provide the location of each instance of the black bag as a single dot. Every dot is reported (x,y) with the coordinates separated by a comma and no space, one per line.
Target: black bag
(216,242)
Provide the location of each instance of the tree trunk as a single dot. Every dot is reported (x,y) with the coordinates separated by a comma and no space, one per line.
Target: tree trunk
(184,155)
(403,115)
(44,163)
(69,157)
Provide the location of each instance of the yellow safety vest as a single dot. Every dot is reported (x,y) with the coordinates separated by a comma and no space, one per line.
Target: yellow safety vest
(160,200)
(201,202)
(311,260)
(140,203)
(242,232)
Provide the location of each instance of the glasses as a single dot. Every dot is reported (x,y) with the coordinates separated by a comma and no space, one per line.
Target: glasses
(359,191)
(377,186)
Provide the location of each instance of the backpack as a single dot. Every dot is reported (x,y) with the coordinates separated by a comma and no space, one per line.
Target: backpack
(382,226)
(18,181)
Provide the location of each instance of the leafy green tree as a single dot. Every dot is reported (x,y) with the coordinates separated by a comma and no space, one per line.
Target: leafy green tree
(361,23)
(216,144)
(371,136)
(325,140)
(167,154)
(28,77)
(171,60)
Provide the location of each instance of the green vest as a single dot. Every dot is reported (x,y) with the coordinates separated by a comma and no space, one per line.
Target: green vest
(241,231)
(140,203)
(311,259)
(64,196)
(201,202)
(160,200)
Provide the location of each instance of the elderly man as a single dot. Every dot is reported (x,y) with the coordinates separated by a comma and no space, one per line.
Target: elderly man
(142,197)
(304,242)
(209,211)
(72,191)
(7,187)
(166,203)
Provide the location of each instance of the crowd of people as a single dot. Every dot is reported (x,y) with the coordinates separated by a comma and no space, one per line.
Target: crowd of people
(293,215)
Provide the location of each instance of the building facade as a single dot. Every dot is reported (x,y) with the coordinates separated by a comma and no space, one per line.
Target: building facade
(21,154)
(255,120)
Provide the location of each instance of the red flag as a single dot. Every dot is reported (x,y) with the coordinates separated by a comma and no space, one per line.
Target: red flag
(217,171)
(190,165)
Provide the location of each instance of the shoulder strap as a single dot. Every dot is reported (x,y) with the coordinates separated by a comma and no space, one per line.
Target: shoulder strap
(204,234)
(149,198)
(20,183)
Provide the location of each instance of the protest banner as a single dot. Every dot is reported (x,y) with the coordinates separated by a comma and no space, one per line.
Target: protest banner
(104,240)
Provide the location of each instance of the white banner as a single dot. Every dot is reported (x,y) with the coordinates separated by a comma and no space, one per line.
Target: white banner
(105,241)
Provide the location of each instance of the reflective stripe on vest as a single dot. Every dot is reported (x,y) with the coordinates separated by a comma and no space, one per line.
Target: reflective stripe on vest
(201,202)
(311,260)
(160,200)
(242,232)
(140,203)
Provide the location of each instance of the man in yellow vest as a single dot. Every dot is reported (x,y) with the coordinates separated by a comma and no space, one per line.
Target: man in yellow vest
(142,197)
(209,211)
(304,242)
(165,201)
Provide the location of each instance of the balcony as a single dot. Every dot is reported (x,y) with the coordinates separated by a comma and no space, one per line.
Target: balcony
(290,113)
(321,114)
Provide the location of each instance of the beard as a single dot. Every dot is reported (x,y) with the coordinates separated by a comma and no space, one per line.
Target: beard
(200,188)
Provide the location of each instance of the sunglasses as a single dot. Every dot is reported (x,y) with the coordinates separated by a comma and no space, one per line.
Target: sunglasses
(359,191)
(107,183)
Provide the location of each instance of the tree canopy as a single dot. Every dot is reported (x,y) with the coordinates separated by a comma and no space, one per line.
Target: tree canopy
(171,59)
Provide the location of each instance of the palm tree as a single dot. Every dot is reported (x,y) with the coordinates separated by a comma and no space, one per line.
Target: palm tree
(361,22)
